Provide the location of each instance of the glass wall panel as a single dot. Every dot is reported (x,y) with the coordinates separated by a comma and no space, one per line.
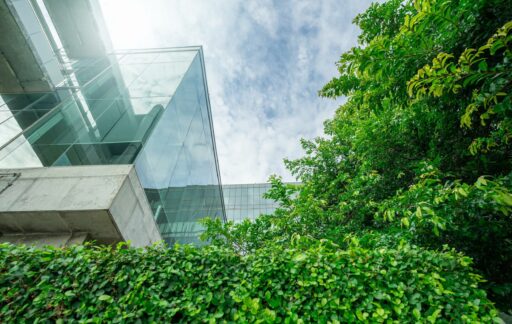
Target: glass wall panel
(180,168)
(19,111)
(245,201)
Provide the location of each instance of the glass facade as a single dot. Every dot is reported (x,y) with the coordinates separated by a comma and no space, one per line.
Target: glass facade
(69,101)
(245,201)
(147,108)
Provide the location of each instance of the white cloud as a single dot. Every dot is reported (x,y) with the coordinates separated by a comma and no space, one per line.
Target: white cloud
(265,62)
(263,12)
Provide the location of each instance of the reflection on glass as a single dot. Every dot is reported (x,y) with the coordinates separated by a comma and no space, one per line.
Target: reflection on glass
(245,201)
(185,187)
(150,109)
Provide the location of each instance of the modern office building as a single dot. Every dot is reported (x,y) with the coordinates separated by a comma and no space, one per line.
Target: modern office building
(97,144)
(246,201)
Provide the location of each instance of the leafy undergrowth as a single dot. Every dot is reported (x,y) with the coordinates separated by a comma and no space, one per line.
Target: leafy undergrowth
(310,281)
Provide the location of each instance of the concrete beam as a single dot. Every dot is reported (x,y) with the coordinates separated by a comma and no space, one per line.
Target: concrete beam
(106,202)
(43,239)
(20,69)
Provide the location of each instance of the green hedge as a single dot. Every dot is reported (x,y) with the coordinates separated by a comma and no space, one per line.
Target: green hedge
(312,282)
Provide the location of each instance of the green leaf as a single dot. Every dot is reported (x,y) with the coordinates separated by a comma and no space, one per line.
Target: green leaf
(69,293)
(105,298)
(300,257)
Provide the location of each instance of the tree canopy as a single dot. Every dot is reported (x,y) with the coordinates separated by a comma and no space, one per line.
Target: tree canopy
(420,151)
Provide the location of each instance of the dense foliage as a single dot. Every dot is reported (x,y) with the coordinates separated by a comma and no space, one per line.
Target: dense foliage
(420,151)
(308,282)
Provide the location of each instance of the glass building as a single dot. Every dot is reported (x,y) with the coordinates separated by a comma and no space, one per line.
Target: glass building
(245,201)
(149,108)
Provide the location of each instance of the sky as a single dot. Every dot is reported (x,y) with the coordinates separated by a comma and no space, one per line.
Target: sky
(265,62)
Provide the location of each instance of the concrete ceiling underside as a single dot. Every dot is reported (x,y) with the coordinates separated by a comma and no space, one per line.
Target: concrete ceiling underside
(19,69)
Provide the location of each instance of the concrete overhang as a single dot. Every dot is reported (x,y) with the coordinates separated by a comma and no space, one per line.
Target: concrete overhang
(104,203)
(20,69)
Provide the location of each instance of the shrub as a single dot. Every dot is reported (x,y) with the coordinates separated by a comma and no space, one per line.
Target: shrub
(312,281)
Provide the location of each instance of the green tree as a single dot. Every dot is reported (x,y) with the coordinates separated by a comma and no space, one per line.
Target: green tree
(421,150)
